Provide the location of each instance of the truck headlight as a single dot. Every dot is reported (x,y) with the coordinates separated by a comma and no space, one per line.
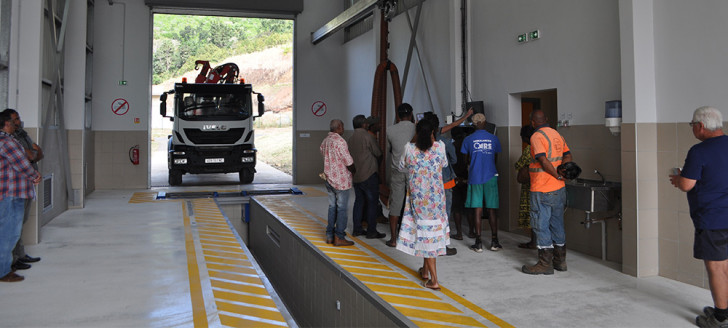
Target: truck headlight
(178,153)
(249,151)
(180,161)
(248,159)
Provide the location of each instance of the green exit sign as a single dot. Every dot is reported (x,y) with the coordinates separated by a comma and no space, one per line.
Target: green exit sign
(122,82)
(534,35)
(522,38)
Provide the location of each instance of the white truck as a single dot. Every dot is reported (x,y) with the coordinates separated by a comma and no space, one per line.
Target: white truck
(212,130)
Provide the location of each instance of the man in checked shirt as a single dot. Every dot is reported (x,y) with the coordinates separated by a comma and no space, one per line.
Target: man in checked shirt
(17,178)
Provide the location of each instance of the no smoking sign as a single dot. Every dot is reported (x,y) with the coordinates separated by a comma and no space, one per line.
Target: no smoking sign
(318,108)
(120,106)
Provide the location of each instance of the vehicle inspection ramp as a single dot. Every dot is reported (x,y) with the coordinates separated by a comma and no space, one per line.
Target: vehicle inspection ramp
(223,274)
(355,285)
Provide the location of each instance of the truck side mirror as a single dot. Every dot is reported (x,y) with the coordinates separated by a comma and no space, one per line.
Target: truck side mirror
(163,104)
(261,106)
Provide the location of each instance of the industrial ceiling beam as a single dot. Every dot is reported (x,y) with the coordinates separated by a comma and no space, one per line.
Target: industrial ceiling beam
(357,11)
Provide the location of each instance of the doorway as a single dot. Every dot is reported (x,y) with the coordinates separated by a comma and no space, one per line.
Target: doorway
(262,49)
(544,100)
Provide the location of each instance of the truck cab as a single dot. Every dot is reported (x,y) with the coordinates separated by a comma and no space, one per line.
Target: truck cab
(212,130)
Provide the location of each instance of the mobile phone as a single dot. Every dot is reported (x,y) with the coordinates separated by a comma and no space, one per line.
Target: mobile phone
(676,170)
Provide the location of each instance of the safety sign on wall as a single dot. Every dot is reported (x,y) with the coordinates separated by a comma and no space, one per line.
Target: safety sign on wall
(120,106)
(318,108)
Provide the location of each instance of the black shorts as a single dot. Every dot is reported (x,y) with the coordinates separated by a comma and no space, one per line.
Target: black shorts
(459,193)
(711,245)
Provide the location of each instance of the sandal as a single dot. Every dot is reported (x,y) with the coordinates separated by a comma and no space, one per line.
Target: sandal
(427,285)
(421,271)
(471,235)
(391,243)
(457,237)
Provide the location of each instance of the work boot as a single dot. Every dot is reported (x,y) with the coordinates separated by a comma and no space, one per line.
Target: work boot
(342,241)
(543,266)
(560,258)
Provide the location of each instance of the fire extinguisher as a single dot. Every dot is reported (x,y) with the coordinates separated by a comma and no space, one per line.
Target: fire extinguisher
(134,155)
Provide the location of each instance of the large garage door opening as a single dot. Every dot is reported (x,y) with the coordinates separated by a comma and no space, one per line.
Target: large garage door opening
(214,131)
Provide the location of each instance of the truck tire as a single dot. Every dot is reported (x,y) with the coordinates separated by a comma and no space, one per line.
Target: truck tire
(246,176)
(175,177)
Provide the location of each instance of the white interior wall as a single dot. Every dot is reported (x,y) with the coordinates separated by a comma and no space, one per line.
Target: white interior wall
(578,54)
(319,69)
(75,66)
(121,44)
(24,92)
(690,48)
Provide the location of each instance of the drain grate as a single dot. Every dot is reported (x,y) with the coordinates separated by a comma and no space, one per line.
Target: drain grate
(215,194)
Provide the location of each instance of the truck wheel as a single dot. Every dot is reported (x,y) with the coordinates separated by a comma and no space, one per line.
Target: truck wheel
(175,177)
(247,176)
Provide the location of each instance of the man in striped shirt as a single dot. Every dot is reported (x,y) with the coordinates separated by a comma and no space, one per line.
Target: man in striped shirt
(17,178)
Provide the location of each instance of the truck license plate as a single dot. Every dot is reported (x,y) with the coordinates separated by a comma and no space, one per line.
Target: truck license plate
(214,160)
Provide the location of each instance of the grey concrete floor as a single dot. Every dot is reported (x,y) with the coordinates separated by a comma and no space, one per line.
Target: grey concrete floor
(115,264)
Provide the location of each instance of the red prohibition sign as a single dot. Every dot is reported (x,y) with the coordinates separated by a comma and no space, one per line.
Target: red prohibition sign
(120,106)
(318,108)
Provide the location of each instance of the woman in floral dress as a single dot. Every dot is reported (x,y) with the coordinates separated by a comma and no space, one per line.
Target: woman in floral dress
(425,231)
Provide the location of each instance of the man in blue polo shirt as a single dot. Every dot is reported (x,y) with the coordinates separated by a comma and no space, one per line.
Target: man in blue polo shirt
(704,178)
(482,147)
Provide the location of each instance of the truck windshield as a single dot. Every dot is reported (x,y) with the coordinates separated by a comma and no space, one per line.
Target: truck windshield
(196,106)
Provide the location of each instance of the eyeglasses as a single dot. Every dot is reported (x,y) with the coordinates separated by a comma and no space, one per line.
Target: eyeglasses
(692,123)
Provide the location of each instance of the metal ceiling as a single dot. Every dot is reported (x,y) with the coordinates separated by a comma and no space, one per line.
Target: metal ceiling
(268,8)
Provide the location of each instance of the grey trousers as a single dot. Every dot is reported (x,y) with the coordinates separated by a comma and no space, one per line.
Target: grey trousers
(19,250)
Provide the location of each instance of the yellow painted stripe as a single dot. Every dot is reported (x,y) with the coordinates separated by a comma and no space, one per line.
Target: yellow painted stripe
(387,281)
(248,299)
(369,272)
(222,248)
(218,243)
(355,257)
(421,293)
(363,264)
(258,290)
(423,324)
(233,261)
(250,311)
(231,321)
(223,238)
(199,314)
(459,319)
(229,268)
(219,253)
(417,302)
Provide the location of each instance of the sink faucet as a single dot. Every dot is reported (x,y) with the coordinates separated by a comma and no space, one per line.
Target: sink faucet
(604,182)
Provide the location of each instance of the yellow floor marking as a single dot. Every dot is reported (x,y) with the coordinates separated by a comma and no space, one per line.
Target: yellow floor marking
(369,271)
(219,243)
(214,259)
(417,302)
(230,321)
(219,254)
(232,269)
(460,319)
(387,281)
(199,314)
(206,236)
(292,210)
(419,292)
(257,290)
(251,311)
(222,248)
(341,256)
(424,324)
(248,299)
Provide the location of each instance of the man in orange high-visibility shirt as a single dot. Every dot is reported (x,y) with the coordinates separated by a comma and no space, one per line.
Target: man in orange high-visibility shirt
(548,196)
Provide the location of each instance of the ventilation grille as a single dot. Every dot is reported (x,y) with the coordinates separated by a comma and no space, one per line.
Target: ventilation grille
(47,192)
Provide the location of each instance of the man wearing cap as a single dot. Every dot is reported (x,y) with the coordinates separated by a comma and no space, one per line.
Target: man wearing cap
(481,148)
(548,196)
(398,136)
(365,152)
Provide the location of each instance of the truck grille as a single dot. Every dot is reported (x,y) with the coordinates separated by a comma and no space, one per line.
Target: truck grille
(200,137)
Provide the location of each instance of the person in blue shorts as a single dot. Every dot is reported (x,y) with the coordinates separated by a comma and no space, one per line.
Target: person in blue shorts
(704,178)
(481,148)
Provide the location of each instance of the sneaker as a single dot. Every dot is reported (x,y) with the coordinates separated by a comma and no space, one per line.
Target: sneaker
(495,245)
(710,321)
(478,247)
